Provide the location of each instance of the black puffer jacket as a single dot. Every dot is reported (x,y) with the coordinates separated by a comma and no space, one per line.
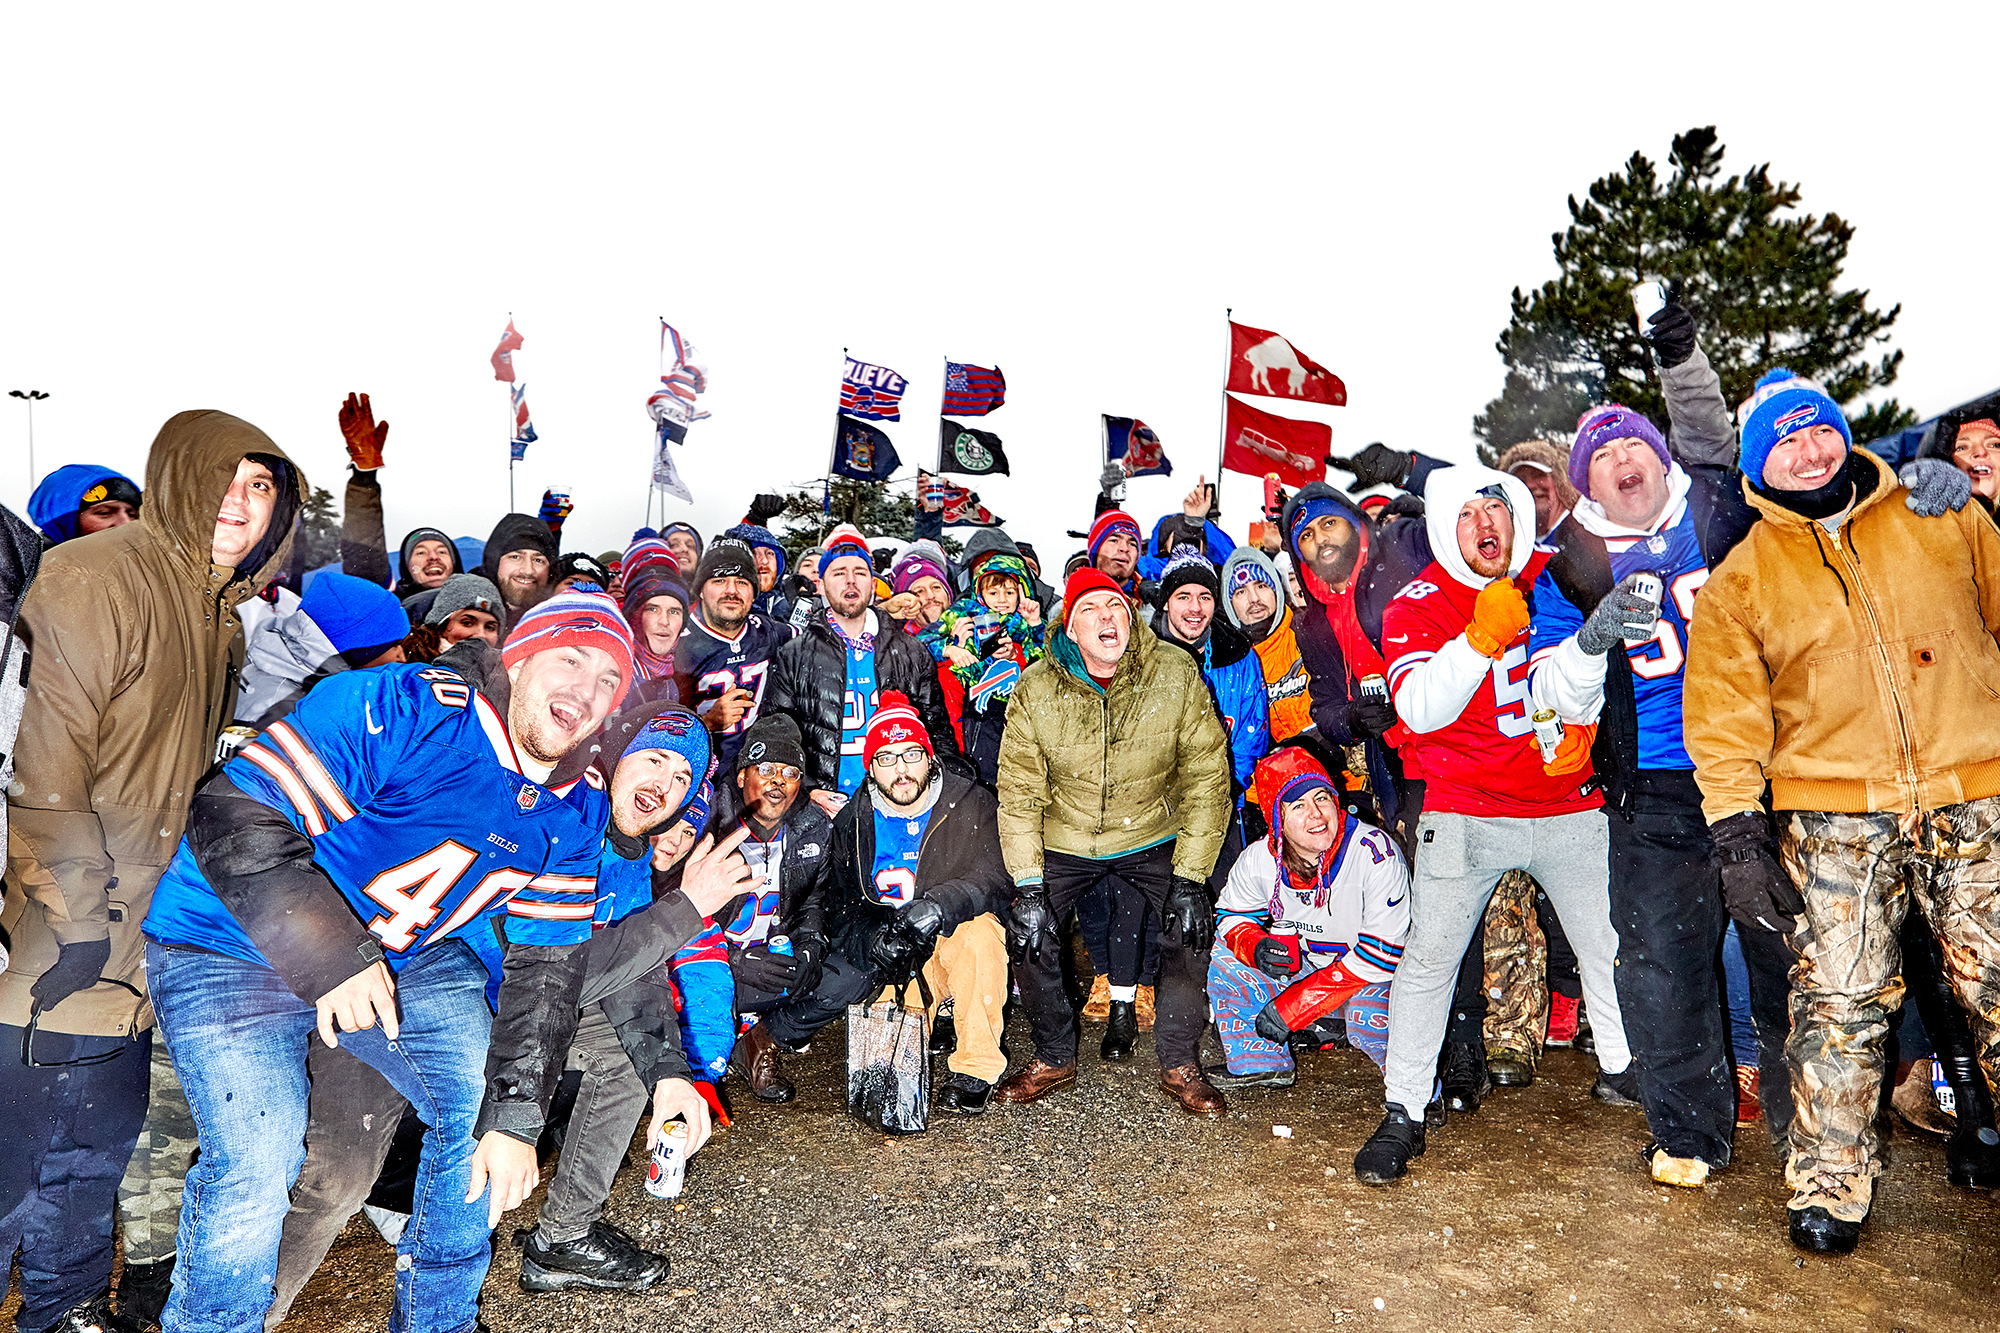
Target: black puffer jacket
(809,684)
(958,865)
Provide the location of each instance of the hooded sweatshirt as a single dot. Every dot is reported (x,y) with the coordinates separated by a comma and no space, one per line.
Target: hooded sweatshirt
(59,499)
(136,640)
(1466,715)
(518,532)
(406,583)
(1286,684)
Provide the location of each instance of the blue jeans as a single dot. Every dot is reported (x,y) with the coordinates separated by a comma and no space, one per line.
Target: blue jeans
(238,1037)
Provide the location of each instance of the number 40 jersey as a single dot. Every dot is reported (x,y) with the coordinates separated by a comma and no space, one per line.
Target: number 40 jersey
(413,794)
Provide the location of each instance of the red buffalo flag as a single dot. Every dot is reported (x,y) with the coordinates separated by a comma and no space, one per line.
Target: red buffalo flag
(503,355)
(1262,362)
(1259,443)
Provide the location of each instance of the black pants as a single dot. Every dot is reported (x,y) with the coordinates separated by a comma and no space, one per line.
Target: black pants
(69,1132)
(1666,904)
(1183,1004)
(794,1019)
(1469,998)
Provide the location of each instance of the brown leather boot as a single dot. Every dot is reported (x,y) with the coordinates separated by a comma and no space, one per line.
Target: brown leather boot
(1035,1082)
(1191,1088)
(757,1057)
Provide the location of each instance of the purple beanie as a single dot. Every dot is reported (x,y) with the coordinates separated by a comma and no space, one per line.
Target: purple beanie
(1600,426)
(913,566)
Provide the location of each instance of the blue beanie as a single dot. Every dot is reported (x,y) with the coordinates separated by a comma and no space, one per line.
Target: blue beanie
(680,732)
(1780,404)
(354,613)
(1308,508)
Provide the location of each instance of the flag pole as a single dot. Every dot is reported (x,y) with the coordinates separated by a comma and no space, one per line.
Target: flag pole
(944,387)
(1222,421)
(510,428)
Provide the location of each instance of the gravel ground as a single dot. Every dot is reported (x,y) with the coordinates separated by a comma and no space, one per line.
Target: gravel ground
(1107,1207)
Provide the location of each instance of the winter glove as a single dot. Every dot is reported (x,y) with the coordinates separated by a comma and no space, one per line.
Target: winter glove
(1369,718)
(1498,617)
(1377,465)
(1190,913)
(556,507)
(1572,754)
(364,437)
(809,952)
(77,968)
(1109,480)
(1404,506)
(1758,893)
(1031,933)
(760,969)
(1274,959)
(1671,330)
(765,507)
(1621,615)
(1936,487)
(895,952)
(924,917)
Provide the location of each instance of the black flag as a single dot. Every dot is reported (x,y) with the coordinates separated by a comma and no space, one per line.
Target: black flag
(975,452)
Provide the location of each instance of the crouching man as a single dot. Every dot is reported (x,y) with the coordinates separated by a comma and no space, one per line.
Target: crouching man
(918,883)
(1313,919)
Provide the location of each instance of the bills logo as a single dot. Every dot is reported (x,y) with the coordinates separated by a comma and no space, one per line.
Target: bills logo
(755,752)
(528,796)
(671,724)
(1794,419)
(896,732)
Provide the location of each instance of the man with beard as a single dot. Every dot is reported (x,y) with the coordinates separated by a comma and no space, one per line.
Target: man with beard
(1254,601)
(328,882)
(685,543)
(769,555)
(520,556)
(1113,547)
(1543,467)
(724,655)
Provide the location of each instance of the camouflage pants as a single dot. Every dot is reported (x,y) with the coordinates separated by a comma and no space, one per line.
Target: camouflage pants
(1859,874)
(149,1197)
(1517,992)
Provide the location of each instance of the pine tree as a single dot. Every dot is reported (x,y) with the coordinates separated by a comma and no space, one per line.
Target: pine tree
(871,506)
(1760,280)
(317,540)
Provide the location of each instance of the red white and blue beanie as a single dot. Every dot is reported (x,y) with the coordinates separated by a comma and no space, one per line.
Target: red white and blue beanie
(844,540)
(583,619)
(895,723)
(1600,426)
(1108,522)
(1780,404)
(648,551)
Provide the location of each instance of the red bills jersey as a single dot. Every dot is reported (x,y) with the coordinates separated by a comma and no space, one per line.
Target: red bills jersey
(1483,762)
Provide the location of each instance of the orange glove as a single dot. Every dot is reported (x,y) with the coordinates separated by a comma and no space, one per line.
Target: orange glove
(714,1100)
(1573,755)
(364,438)
(1498,618)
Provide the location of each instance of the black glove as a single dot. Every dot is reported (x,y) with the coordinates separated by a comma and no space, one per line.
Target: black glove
(1671,330)
(896,952)
(809,952)
(1620,616)
(1755,888)
(1031,932)
(764,508)
(1190,913)
(1274,959)
(924,917)
(1370,718)
(1377,465)
(77,968)
(761,970)
(1405,505)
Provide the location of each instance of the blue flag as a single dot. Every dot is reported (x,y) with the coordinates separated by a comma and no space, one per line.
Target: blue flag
(862,452)
(1130,441)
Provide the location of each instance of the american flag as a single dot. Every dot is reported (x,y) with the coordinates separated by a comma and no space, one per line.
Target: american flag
(524,429)
(972,391)
(875,392)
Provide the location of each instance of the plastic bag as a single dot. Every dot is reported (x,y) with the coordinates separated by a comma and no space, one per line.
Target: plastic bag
(889,1067)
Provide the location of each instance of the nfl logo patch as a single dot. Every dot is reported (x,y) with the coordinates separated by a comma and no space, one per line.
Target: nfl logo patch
(529,795)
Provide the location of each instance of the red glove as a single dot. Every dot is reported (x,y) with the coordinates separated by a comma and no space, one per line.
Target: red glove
(714,1100)
(364,438)
(1498,618)
(1243,939)
(1315,996)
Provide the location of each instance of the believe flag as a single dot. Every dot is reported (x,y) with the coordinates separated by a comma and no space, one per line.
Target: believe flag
(503,355)
(861,452)
(963,510)
(1262,362)
(1131,443)
(1259,443)
(972,391)
(963,449)
(875,392)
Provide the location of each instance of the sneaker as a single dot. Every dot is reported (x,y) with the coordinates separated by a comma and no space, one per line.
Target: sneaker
(1619,1089)
(602,1259)
(1097,1006)
(1389,1149)
(1465,1080)
(1562,1020)
(1827,1210)
(1509,1068)
(1749,1106)
(1687,1172)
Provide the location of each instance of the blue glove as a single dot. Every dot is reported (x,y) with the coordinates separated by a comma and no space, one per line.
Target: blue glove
(1936,487)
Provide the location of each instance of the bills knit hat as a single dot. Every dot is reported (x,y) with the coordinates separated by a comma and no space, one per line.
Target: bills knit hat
(1780,404)
(895,723)
(653,583)
(1084,582)
(676,731)
(357,617)
(582,567)
(575,617)
(842,541)
(465,592)
(727,559)
(1600,426)
(1108,522)
(643,553)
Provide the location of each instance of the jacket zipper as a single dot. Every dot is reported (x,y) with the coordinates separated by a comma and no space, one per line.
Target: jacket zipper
(1888,675)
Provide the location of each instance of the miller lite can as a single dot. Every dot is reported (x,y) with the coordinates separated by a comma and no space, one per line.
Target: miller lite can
(1548,733)
(1373,687)
(667,1171)
(1649,587)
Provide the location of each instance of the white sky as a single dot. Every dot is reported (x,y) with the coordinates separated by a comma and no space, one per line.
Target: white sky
(263,208)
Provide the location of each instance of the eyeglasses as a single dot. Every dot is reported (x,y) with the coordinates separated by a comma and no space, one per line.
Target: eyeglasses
(786,771)
(914,757)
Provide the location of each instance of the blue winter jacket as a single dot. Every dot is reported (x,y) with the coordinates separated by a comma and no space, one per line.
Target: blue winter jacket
(1236,683)
(1153,563)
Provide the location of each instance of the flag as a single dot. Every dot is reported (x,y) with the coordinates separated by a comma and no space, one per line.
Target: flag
(517,450)
(687,376)
(972,391)
(861,452)
(963,449)
(875,392)
(1259,443)
(665,475)
(524,429)
(1262,362)
(1131,442)
(503,355)
(963,510)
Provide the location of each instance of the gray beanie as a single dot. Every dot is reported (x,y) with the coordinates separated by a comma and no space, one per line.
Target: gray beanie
(465,592)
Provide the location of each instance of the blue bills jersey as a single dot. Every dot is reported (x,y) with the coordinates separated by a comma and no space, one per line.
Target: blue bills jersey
(410,788)
(1658,665)
(708,665)
(897,843)
(857,710)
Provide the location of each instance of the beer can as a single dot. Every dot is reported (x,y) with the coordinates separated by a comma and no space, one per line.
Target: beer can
(1548,733)
(1373,687)
(1287,934)
(780,944)
(667,1171)
(1648,299)
(1649,587)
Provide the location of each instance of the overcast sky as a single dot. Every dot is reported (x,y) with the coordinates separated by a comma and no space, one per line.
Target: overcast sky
(261,209)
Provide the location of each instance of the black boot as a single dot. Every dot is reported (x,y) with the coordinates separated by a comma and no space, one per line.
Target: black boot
(1465,1080)
(603,1259)
(1388,1151)
(964,1093)
(143,1292)
(944,1034)
(1972,1155)
(1121,1032)
(93,1316)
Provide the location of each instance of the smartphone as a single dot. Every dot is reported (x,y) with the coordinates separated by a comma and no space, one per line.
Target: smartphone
(1648,300)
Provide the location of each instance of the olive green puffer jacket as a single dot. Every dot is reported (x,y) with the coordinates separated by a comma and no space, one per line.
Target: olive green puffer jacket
(1101,773)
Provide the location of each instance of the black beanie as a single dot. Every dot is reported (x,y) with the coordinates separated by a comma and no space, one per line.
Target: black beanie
(772,739)
(728,558)
(1187,567)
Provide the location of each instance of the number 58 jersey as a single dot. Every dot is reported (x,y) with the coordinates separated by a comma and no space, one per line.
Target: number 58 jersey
(413,794)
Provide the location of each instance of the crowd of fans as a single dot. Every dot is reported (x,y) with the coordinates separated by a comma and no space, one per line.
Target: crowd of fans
(368,888)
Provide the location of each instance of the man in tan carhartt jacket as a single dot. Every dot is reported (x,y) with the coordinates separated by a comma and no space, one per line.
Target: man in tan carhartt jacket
(133,653)
(1844,651)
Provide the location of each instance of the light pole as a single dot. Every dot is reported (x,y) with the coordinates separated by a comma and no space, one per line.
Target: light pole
(30,397)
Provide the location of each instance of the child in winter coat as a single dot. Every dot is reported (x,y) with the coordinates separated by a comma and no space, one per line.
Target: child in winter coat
(982,643)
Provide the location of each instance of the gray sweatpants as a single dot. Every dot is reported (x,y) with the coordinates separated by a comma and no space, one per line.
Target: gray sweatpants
(1460,859)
